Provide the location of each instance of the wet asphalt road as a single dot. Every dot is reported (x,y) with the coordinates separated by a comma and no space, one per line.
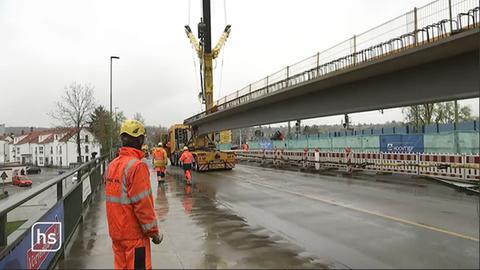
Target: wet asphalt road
(254,217)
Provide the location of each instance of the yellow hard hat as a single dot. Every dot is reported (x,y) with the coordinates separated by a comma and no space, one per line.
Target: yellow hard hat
(133,128)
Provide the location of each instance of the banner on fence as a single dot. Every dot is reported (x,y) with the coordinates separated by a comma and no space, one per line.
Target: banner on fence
(267,145)
(39,245)
(402,143)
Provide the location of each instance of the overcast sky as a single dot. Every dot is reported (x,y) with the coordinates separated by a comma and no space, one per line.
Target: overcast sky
(45,45)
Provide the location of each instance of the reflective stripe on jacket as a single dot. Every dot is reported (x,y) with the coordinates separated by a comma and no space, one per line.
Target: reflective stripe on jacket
(186,157)
(128,195)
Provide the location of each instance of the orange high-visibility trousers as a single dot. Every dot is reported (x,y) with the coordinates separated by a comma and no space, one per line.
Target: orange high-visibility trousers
(132,254)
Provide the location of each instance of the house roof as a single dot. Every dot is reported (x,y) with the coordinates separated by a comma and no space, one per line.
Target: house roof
(69,135)
(49,139)
(31,137)
(34,137)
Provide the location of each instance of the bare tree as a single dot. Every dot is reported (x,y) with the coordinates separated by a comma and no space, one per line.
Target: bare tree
(139,117)
(442,112)
(74,109)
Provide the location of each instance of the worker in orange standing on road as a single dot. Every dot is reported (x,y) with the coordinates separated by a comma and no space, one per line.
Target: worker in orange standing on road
(187,159)
(160,161)
(129,202)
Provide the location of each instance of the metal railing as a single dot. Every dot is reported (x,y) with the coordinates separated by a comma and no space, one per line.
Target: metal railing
(69,195)
(430,23)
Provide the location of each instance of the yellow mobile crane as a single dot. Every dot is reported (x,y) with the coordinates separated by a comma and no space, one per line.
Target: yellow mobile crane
(202,147)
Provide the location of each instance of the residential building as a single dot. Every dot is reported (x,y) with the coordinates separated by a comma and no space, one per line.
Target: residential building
(5,142)
(53,147)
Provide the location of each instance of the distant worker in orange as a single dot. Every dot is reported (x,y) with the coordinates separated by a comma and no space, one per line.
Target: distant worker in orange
(129,202)
(187,159)
(160,161)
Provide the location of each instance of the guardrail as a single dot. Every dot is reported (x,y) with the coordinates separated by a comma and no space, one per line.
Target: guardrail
(430,23)
(451,166)
(67,210)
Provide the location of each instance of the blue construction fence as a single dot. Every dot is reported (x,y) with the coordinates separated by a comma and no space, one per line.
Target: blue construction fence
(441,138)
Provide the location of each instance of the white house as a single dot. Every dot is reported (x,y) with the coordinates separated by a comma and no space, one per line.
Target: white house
(54,147)
(5,142)
(15,149)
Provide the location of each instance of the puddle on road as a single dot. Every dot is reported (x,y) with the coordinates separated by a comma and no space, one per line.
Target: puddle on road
(224,239)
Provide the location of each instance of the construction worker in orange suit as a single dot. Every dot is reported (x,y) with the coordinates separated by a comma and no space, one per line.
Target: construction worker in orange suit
(160,161)
(129,203)
(187,159)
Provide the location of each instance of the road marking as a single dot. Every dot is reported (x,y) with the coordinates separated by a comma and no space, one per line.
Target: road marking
(31,205)
(401,220)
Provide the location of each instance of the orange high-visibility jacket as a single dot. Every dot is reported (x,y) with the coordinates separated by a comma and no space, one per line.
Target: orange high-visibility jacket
(128,195)
(159,154)
(186,157)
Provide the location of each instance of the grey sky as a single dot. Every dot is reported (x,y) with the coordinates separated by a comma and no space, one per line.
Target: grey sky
(45,45)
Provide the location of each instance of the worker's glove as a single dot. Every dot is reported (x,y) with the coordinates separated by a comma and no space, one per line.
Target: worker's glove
(157,239)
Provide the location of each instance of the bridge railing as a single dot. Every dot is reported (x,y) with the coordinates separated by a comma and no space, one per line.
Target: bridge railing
(58,200)
(430,23)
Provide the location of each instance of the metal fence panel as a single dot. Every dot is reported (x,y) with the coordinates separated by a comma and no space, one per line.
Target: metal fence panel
(73,209)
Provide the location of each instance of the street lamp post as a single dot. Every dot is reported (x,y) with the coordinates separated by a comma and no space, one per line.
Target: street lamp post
(111,114)
(115,117)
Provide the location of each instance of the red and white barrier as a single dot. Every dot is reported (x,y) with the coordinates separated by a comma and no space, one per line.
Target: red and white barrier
(334,159)
(453,166)
(428,165)
(372,160)
(400,162)
(472,167)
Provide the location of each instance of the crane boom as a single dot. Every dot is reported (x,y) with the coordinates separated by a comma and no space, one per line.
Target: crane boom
(221,41)
(194,41)
(205,53)
(203,147)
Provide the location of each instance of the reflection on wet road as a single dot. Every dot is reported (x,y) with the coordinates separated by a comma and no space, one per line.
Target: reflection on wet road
(228,241)
(260,218)
(199,232)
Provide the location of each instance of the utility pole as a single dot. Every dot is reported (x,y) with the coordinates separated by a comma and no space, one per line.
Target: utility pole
(110,130)
(289,130)
(240,137)
(455,129)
